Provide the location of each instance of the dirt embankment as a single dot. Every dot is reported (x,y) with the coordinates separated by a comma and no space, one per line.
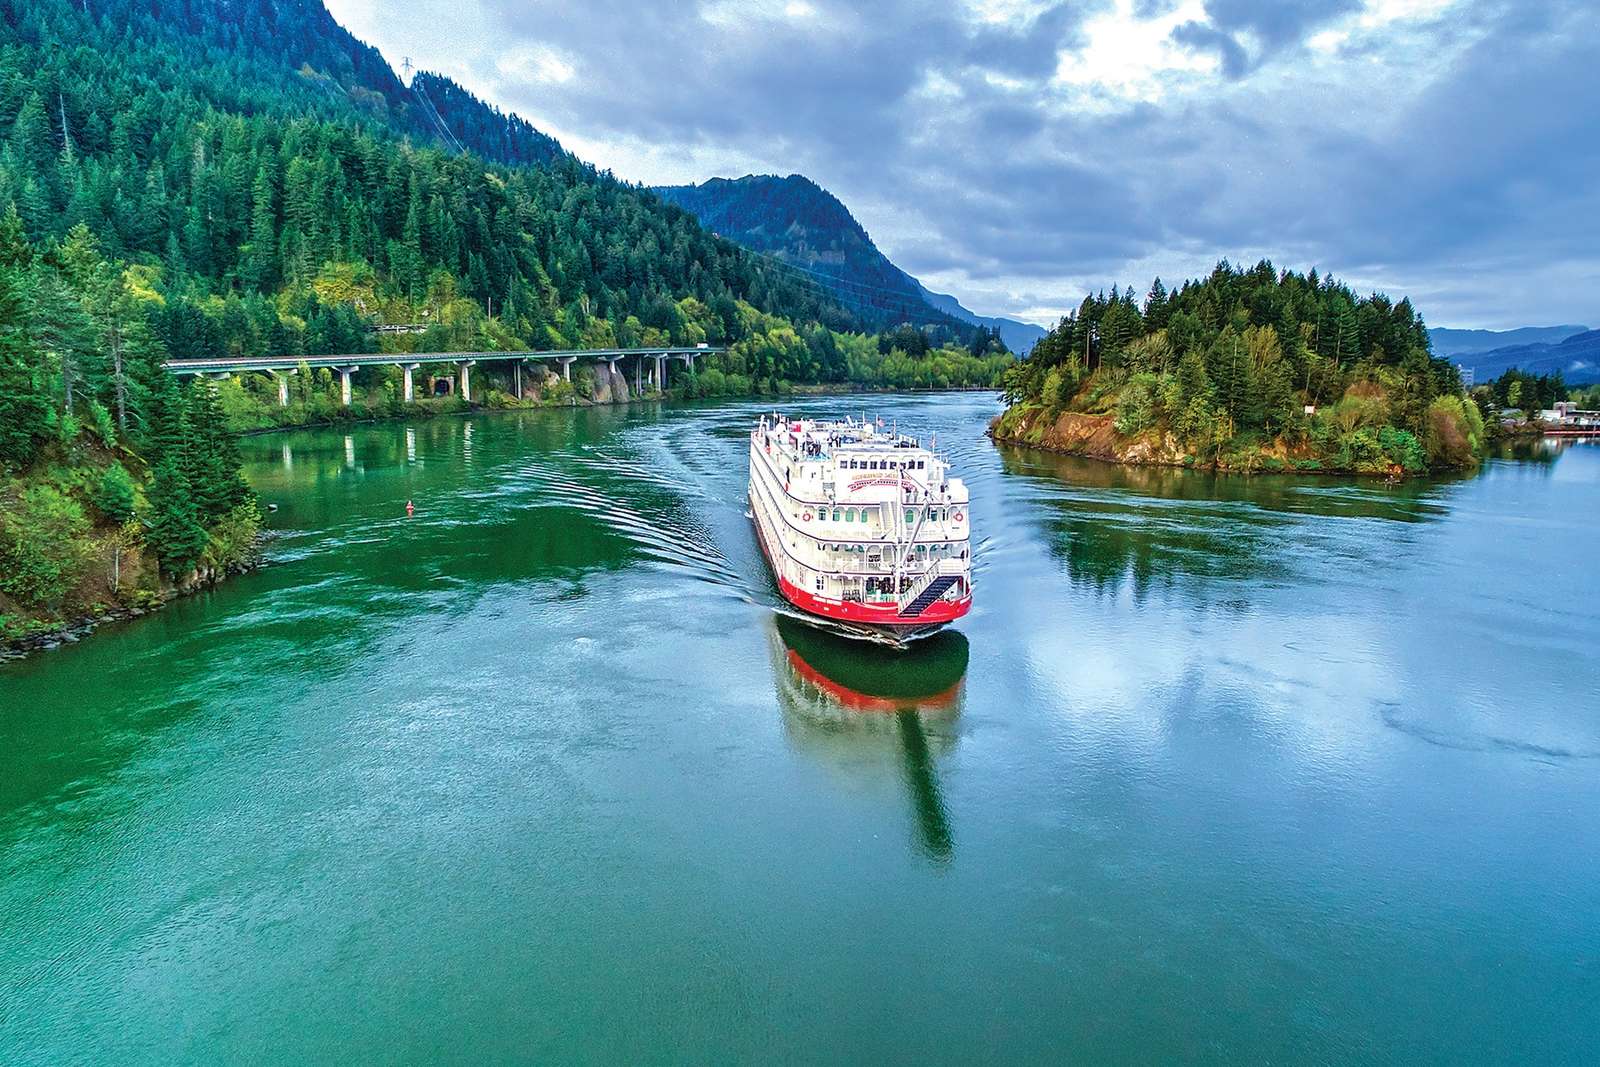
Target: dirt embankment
(1077,434)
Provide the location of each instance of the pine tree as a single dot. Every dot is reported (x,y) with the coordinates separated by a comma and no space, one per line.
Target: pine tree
(172,528)
(213,472)
(414,266)
(1347,333)
(258,269)
(1155,307)
(62,331)
(24,411)
(1234,378)
(31,139)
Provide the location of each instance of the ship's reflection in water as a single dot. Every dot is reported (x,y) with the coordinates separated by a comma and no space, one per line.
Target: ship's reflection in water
(855,703)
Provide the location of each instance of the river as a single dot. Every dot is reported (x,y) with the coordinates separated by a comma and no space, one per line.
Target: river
(1217,770)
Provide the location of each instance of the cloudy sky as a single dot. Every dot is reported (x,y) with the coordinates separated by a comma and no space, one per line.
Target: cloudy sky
(1017,153)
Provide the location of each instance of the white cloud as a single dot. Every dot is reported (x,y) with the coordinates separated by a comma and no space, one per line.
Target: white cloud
(535,63)
(1128,57)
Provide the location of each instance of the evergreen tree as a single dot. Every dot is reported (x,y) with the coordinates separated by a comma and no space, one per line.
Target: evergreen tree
(258,270)
(214,479)
(172,527)
(24,410)
(1155,307)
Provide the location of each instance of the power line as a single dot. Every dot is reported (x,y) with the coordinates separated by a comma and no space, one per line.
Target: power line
(418,91)
(837,279)
(893,301)
(909,303)
(859,300)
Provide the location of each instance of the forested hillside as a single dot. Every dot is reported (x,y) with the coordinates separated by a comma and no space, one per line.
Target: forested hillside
(289,189)
(183,179)
(1245,369)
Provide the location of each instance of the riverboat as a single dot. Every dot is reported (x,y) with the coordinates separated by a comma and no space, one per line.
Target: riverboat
(863,528)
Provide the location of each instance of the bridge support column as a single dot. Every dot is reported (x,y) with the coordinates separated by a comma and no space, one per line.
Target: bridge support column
(516,374)
(661,374)
(566,366)
(344,384)
(611,368)
(283,386)
(466,380)
(410,387)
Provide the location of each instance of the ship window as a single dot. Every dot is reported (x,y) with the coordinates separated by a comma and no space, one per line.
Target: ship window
(850,515)
(835,514)
(911,516)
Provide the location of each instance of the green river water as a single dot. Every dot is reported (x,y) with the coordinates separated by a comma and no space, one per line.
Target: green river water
(1217,770)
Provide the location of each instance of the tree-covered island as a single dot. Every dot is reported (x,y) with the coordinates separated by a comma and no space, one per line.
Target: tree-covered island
(1245,370)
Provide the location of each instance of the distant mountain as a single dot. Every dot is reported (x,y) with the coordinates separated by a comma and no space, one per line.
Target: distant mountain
(800,223)
(1576,357)
(1020,337)
(1451,344)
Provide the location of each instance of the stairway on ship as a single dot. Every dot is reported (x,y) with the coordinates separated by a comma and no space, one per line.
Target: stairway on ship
(936,589)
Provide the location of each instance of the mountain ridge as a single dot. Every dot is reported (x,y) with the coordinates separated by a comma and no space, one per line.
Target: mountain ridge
(1450,343)
(799,222)
(1576,358)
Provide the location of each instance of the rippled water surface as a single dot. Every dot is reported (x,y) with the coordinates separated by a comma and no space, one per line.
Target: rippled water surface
(1217,770)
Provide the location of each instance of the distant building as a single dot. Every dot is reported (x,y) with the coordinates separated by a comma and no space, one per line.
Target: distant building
(1468,378)
(1567,416)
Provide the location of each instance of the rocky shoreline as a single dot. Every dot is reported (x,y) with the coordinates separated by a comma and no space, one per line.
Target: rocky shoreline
(1095,437)
(71,631)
